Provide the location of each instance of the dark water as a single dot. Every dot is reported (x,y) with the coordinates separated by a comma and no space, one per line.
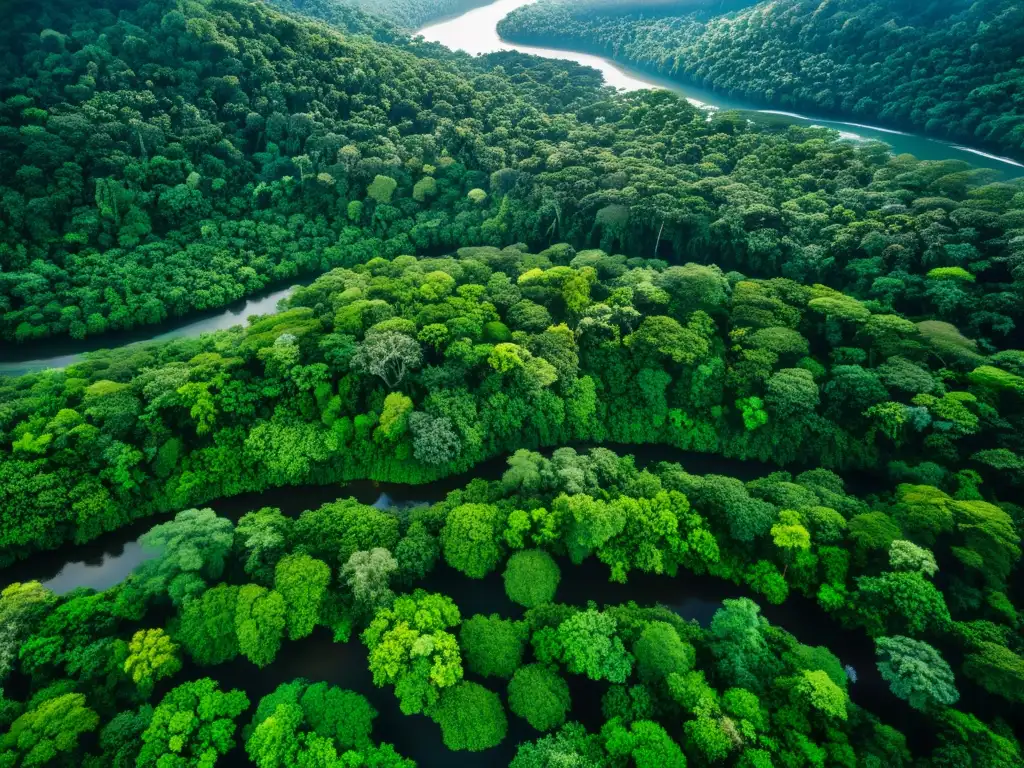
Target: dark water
(317,658)
(108,559)
(475,32)
(17,360)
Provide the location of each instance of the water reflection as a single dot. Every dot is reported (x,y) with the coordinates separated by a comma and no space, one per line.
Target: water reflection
(64,352)
(475,32)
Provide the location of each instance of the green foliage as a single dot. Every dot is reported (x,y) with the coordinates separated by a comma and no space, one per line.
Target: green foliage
(260,621)
(207,629)
(367,575)
(916,672)
(471,539)
(411,649)
(531,578)
(539,695)
(300,722)
(492,646)
(997,669)
(660,652)
(302,581)
(471,717)
(152,657)
(48,732)
(589,646)
(192,726)
(815,689)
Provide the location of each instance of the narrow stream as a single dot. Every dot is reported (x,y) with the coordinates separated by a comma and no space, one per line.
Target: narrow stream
(475,32)
(60,353)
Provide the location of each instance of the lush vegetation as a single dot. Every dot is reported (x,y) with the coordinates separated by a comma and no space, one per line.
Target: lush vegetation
(405,14)
(671,691)
(953,68)
(511,259)
(303,149)
(166,157)
(412,369)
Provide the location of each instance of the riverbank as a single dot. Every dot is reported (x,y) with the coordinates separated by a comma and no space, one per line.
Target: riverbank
(110,558)
(60,353)
(476,32)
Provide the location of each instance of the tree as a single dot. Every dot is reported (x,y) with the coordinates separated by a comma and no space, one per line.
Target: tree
(645,741)
(471,539)
(907,556)
(381,189)
(411,649)
(262,535)
(705,735)
(571,745)
(539,695)
(916,672)
(389,355)
(736,639)
(790,536)
(48,732)
(660,652)
(417,553)
(121,738)
(367,575)
(299,723)
(531,578)
(816,690)
(791,394)
(661,336)
(207,628)
(22,607)
(191,726)
(997,669)
(152,657)
(193,550)
(471,717)
(341,528)
(589,646)
(434,439)
(900,601)
(302,582)
(492,646)
(259,623)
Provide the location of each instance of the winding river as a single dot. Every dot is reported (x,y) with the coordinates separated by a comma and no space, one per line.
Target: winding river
(475,32)
(110,559)
(65,352)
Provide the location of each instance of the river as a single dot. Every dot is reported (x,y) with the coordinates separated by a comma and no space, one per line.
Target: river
(64,352)
(475,32)
(111,558)
(108,559)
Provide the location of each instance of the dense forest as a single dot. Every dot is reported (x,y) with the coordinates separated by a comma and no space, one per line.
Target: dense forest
(122,205)
(410,369)
(149,651)
(405,14)
(518,266)
(952,68)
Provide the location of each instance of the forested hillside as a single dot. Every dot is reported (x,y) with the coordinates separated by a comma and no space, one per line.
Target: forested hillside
(166,157)
(517,270)
(953,68)
(406,14)
(152,169)
(411,369)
